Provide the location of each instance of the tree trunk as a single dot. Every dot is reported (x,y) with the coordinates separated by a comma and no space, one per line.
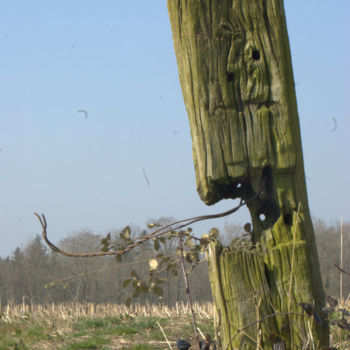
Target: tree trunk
(237,81)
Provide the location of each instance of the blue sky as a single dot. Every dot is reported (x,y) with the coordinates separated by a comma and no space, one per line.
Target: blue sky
(116,60)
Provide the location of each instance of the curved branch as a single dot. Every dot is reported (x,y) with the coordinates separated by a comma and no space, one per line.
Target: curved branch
(159,232)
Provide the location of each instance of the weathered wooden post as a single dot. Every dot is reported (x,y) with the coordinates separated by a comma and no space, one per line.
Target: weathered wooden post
(236,76)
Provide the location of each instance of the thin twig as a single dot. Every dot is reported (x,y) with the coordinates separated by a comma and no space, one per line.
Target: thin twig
(164,335)
(341,270)
(310,335)
(291,275)
(111,267)
(258,336)
(201,333)
(293,254)
(188,288)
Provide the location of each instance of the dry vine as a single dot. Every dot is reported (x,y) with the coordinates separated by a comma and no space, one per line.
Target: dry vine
(159,232)
(341,270)
(169,228)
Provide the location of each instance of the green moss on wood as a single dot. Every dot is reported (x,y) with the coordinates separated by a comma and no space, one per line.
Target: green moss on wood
(236,76)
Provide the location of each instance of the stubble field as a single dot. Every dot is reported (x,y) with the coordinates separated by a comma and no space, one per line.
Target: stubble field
(111,326)
(105,327)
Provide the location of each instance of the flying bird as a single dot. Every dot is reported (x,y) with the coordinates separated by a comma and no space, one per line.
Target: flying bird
(335,124)
(84,112)
(145,176)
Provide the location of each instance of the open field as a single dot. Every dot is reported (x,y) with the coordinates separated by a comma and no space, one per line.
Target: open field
(89,326)
(108,326)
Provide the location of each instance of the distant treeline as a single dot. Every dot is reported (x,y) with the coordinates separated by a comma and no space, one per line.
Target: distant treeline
(35,274)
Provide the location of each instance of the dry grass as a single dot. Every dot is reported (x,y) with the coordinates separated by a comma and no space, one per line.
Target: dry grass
(71,326)
(75,310)
(340,338)
(103,326)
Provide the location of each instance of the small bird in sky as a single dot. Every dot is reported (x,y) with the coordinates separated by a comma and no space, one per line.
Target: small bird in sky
(84,112)
(145,176)
(335,124)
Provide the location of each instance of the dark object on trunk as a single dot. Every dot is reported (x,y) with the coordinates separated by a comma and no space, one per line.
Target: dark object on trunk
(331,301)
(309,309)
(207,344)
(279,344)
(183,344)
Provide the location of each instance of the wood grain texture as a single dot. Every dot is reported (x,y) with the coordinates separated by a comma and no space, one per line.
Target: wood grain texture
(236,75)
(234,85)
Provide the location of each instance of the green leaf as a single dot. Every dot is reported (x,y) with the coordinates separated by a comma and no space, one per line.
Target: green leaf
(151,225)
(204,241)
(134,274)
(248,227)
(144,288)
(213,233)
(156,245)
(126,283)
(188,258)
(107,239)
(106,242)
(195,256)
(158,291)
(125,234)
(189,243)
(174,272)
(51,284)
(128,301)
